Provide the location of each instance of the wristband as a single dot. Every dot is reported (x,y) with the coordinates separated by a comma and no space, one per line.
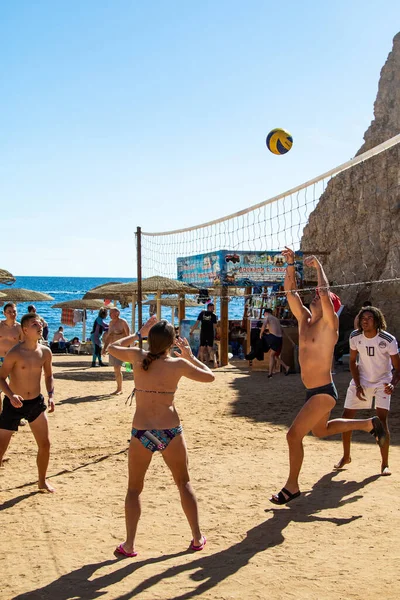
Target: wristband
(290,264)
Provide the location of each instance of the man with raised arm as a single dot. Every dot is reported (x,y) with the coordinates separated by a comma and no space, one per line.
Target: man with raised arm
(24,364)
(318,334)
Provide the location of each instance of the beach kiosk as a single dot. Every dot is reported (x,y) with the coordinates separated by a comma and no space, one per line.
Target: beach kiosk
(260,273)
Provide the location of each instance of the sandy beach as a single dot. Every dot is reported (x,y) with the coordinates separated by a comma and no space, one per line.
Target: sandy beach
(338,541)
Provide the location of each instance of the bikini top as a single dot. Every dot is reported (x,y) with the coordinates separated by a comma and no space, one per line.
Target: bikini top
(130,397)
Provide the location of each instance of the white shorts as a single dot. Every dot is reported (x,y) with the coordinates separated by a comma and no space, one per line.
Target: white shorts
(382,400)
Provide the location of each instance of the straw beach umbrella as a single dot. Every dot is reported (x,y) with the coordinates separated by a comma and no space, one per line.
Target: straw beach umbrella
(152,285)
(173,302)
(81,305)
(105,291)
(100,292)
(6,277)
(22,295)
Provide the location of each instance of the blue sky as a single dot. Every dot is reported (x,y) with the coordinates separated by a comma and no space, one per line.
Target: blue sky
(119,114)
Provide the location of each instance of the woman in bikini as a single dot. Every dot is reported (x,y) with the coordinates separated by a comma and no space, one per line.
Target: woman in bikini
(156,425)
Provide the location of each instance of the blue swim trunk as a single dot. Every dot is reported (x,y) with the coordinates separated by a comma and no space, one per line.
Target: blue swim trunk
(156,439)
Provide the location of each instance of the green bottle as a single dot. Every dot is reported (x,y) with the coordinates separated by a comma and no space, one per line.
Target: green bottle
(128,367)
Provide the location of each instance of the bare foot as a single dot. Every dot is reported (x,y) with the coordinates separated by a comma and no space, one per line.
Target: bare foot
(116,393)
(386,471)
(343,461)
(46,488)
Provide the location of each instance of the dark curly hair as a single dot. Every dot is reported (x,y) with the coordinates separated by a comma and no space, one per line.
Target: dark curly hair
(161,337)
(379,319)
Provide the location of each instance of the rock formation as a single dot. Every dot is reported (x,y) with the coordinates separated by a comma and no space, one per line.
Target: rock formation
(357,219)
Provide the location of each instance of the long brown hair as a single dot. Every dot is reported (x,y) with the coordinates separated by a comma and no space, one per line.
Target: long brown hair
(161,337)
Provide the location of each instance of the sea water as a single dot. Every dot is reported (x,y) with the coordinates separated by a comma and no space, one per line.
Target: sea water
(74,288)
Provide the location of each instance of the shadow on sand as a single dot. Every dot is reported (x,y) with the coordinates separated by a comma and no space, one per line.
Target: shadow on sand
(63,472)
(279,399)
(80,399)
(211,569)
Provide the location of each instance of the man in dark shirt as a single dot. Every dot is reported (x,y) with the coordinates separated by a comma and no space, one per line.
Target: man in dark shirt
(208,323)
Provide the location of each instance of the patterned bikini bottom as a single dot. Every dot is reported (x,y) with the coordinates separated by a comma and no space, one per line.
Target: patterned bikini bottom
(156,439)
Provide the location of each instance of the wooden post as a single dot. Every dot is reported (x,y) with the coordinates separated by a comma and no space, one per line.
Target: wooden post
(139,277)
(181,308)
(158,300)
(84,326)
(224,326)
(248,323)
(133,320)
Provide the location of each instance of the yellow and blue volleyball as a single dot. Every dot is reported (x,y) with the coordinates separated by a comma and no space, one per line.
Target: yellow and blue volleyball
(279,141)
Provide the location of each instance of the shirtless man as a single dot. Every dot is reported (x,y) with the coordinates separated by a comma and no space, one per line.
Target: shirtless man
(117,328)
(10,332)
(59,335)
(24,364)
(274,340)
(318,334)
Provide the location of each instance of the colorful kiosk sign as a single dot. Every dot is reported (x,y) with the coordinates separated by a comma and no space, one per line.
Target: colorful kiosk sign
(236,269)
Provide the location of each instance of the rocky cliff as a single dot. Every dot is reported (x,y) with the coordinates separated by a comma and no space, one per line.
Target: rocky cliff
(357,219)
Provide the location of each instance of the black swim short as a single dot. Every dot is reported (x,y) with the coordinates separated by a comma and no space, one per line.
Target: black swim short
(272,342)
(329,389)
(30,410)
(206,340)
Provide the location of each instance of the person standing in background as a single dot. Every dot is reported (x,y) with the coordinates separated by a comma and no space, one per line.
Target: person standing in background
(45,333)
(207,320)
(99,327)
(118,328)
(10,332)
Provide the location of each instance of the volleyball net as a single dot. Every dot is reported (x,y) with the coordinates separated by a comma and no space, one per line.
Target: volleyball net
(349,217)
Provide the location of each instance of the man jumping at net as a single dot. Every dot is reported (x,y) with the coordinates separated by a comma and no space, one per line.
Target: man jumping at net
(318,334)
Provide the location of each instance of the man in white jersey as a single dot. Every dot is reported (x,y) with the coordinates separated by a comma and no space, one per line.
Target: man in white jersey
(377,354)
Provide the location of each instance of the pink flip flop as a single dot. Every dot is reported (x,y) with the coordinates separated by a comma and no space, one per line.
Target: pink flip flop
(120,550)
(197,548)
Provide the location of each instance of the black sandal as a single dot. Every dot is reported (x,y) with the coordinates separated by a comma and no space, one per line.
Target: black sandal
(281,499)
(378,431)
